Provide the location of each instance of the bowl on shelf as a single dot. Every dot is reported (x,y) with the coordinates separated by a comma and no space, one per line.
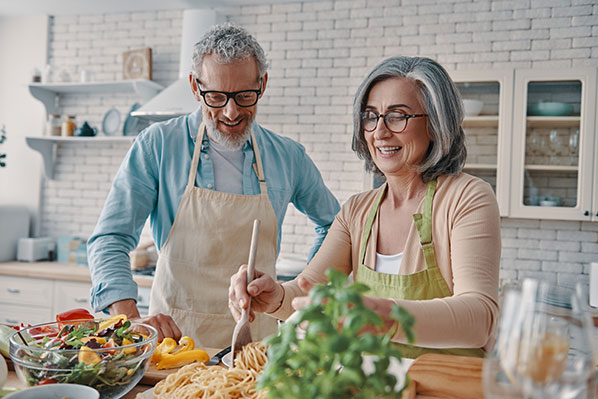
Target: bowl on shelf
(56,391)
(472,107)
(550,109)
(550,201)
(110,356)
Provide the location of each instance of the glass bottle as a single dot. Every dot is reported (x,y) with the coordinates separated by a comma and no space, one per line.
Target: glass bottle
(53,126)
(68,126)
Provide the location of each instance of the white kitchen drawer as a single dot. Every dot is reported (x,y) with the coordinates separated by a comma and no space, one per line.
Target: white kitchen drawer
(15,314)
(143,296)
(72,295)
(26,291)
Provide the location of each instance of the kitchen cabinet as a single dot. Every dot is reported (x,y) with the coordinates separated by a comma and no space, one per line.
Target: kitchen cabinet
(49,94)
(554,148)
(487,135)
(34,293)
(25,300)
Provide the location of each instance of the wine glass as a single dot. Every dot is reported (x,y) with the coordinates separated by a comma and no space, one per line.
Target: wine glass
(543,347)
(555,146)
(573,147)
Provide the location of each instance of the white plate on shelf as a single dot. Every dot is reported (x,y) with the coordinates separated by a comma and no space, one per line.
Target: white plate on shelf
(111,122)
(130,127)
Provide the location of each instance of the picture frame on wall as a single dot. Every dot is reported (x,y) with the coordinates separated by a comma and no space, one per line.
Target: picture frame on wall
(137,64)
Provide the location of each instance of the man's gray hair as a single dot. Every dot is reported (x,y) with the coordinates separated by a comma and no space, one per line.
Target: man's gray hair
(229,43)
(441,102)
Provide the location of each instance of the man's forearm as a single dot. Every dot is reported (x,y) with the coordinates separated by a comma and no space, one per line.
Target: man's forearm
(126,306)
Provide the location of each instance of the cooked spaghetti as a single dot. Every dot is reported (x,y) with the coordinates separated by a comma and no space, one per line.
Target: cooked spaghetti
(197,380)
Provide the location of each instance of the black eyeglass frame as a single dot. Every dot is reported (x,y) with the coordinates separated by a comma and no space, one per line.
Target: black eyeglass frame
(405,117)
(230,95)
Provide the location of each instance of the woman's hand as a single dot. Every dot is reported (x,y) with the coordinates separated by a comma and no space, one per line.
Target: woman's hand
(265,294)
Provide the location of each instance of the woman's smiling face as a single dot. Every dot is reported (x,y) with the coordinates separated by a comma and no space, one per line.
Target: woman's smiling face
(397,153)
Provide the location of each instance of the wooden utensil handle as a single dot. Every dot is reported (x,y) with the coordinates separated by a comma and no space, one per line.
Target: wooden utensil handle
(253,250)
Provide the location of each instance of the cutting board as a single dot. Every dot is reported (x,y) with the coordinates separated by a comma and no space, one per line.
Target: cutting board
(152,375)
(446,376)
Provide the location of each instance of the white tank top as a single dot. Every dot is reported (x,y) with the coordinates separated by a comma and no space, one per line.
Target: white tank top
(389,264)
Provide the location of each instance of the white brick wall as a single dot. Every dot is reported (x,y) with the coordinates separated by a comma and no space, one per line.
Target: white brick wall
(319,52)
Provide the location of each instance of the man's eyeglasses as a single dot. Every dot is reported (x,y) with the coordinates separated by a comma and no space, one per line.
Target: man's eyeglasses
(395,121)
(219,99)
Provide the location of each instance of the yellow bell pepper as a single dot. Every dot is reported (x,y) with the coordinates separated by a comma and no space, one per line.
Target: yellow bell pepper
(88,356)
(185,344)
(166,346)
(180,359)
(130,350)
(112,321)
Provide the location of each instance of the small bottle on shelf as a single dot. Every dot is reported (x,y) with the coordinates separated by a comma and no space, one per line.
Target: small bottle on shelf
(53,126)
(68,126)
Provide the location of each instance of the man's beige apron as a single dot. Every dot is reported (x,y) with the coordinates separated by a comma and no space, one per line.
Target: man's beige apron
(209,240)
(425,284)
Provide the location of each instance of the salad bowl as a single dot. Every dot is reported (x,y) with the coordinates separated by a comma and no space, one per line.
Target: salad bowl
(110,356)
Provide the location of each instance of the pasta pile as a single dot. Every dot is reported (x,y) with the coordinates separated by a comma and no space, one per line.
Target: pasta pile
(198,381)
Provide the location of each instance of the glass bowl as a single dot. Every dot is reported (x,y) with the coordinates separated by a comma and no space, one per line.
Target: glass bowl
(64,352)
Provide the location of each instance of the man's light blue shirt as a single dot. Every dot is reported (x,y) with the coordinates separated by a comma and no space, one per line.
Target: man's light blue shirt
(153,177)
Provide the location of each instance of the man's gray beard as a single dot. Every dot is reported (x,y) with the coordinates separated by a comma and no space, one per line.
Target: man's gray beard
(232,143)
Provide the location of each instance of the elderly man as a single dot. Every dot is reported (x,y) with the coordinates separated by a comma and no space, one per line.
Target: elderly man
(203,178)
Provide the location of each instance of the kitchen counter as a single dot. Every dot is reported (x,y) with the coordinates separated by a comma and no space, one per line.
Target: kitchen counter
(57,271)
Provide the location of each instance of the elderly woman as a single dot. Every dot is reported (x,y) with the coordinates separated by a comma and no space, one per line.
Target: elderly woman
(428,239)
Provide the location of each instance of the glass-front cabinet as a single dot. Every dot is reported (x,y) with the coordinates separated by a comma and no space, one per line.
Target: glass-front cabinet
(553,173)
(487,100)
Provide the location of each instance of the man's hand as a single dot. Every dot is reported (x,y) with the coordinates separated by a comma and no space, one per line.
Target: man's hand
(265,293)
(164,324)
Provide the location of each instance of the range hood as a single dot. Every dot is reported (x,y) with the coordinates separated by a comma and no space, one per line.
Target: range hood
(177,99)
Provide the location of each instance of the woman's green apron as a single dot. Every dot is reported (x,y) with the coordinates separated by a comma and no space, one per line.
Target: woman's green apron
(425,284)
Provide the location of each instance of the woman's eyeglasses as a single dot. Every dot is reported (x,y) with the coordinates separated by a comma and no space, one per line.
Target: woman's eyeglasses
(395,121)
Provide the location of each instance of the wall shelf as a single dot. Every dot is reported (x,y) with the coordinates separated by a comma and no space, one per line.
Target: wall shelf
(553,121)
(480,166)
(48,93)
(481,121)
(47,146)
(552,168)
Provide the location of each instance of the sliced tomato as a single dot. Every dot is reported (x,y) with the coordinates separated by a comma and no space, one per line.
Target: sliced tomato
(46,382)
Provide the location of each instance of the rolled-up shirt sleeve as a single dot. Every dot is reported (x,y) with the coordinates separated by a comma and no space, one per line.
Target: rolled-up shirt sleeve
(131,199)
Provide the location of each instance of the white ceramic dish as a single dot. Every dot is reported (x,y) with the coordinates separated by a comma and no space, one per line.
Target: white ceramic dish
(472,107)
(227,359)
(56,391)
(111,122)
(130,127)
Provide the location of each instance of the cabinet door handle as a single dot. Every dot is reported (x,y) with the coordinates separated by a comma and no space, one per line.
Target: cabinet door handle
(13,291)
(81,300)
(12,321)
(586,213)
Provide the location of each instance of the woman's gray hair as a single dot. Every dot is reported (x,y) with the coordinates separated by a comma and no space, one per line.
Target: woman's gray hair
(441,102)
(229,43)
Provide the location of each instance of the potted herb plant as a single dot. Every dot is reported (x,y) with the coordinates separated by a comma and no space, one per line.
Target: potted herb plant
(327,362)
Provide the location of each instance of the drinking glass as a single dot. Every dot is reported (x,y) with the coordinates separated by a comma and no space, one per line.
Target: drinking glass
(555,146)
(573,147)
(543,346)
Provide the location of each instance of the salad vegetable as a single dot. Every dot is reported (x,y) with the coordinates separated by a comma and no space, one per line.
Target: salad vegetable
(84,353)
(327,362)
(169,355)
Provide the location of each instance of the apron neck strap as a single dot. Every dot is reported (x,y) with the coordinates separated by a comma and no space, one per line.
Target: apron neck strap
(198,141)
(257,166)
(369,222)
